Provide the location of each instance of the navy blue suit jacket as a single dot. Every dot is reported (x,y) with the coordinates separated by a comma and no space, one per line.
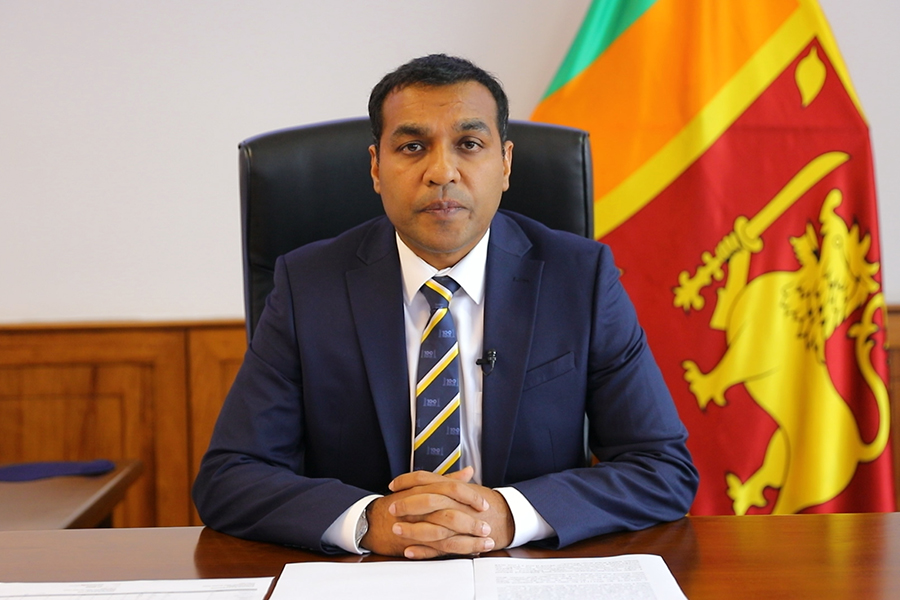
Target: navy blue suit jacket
(319,416)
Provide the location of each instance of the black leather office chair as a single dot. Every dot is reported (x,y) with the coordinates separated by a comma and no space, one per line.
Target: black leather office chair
(309,183)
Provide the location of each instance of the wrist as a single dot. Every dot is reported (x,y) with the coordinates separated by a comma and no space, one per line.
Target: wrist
(503,528)
(342,532)
(379,538)
(529,524)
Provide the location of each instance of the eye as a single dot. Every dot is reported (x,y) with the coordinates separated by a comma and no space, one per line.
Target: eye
(470,145)
(411,147)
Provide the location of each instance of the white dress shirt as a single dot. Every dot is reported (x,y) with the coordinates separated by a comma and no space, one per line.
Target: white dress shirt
(467,309)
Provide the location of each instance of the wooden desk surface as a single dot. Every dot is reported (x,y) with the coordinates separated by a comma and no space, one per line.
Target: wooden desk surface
(796,556)
(65,502)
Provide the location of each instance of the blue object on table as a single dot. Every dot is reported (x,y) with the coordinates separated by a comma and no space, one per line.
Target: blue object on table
(42,470)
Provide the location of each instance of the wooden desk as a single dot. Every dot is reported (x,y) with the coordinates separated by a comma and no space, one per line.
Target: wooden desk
(65,502)
(798,556)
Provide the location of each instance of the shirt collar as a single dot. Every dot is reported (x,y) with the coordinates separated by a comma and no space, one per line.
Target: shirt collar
(468,272)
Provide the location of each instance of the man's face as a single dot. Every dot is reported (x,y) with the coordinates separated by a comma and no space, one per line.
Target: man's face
(441,168)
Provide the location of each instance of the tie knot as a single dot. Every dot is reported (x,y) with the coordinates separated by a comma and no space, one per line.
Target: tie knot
(438,291)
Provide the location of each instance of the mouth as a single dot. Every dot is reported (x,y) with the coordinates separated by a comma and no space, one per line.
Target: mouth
(443,208)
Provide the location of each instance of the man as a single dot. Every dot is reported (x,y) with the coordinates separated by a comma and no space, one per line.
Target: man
(322,440)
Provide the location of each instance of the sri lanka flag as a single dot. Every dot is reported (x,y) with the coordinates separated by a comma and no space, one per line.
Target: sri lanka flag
(733,179)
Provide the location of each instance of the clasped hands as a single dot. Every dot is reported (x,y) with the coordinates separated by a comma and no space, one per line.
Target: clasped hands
(429,515)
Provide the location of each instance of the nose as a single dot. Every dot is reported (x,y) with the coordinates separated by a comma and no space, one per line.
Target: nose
(442,168)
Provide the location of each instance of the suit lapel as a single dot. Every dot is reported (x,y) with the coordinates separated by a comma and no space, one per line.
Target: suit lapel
(512,285)
(376,300)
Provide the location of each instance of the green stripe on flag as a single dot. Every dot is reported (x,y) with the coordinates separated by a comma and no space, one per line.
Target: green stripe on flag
(605,21)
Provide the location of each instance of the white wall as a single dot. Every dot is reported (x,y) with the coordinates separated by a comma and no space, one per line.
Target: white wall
(119,125)
(866,32)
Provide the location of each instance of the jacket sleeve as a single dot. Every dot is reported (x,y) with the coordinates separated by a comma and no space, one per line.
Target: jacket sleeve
(644,474)
(251,481)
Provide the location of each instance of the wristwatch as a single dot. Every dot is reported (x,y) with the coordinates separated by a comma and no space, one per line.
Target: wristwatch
(362,525)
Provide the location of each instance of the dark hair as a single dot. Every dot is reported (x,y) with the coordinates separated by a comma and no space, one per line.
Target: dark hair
(435,70)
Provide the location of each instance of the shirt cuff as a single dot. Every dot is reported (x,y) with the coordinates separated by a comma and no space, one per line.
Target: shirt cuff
(342,533)
(530,525)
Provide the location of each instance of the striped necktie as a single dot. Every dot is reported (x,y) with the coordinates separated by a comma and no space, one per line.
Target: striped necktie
(436,447)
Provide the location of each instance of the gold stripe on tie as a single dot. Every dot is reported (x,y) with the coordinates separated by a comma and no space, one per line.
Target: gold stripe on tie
(432,323)
(437,369)
(436,422)
(451,460)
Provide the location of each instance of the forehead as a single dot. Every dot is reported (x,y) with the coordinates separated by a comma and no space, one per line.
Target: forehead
(431,107)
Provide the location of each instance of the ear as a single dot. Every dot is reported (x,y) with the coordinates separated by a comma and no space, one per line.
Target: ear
(376,179)
(507,163)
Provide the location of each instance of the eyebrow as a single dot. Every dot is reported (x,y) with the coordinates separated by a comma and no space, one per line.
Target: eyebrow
(409,130)
(420,131)
(473,125)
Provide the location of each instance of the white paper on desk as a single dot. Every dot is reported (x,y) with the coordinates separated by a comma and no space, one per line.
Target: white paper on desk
(627,577)
(388,580)
(172,589)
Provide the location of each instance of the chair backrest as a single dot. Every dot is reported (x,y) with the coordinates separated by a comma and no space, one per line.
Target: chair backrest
(308,183)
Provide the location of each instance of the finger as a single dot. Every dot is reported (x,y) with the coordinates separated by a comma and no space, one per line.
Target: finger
(441,525)
(422,532)
(436,497)
(417,478)
(421,552)
(455,546)
(422,503)
(463,493)
(414,479)
(464,475)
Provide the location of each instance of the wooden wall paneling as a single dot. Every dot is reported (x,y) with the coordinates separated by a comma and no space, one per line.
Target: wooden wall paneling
(215,355)
(78,394)
(153,392)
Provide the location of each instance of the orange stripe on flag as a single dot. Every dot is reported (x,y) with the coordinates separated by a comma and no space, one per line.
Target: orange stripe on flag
(664,69)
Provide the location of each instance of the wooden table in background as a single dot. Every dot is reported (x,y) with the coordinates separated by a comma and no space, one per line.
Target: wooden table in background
(68,502)
(795,556)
